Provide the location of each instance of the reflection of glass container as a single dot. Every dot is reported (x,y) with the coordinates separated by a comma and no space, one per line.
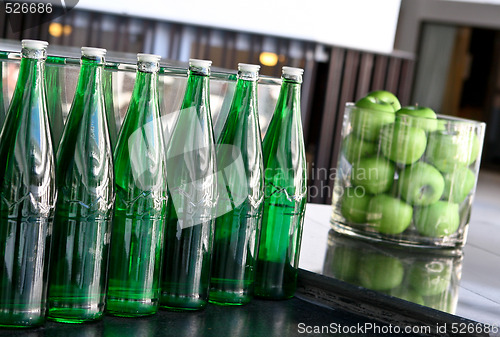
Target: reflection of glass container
(429,278)
(404,179)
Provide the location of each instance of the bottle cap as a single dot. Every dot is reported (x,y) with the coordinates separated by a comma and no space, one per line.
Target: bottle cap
(248,67)
(34,44)
(200,63)
(292,71)
(148,57)
(93,52)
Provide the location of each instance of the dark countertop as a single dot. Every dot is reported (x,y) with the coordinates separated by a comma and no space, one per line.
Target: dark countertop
(327,304)
(258,318)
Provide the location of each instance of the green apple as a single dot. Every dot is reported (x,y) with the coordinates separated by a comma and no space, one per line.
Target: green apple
(458,184)
(420,184)
(447,150)
(430,278)
(354,204)
(369,115)
(374,174)
(380,272)
(386,96)
(345,263)
(389,215)
(407,294)
(418,116)
(355,148)
(402,144)
(437,220)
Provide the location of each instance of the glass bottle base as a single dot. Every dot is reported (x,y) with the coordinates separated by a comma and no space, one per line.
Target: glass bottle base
(228,298)
(21,319)
(125,307)
(181,303)
(274,294)
(74,315)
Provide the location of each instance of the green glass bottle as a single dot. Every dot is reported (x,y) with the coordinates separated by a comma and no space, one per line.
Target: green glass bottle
(27,195)
(192,198)
(140,206)
(241,195)
(85,181)
(285,194)
(54,85)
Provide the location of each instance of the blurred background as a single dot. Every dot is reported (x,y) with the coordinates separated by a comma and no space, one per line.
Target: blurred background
(444,54)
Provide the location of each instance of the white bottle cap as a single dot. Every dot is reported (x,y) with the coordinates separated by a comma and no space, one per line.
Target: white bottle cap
(34,44)
(93,52)
(148,57)
(248,67)
(200,63)
(292,71)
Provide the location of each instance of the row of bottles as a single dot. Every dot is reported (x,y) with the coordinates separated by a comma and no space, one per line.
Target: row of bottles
(153,224)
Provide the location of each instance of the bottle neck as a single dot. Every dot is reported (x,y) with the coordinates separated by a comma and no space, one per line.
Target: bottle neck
(197,90)
(245,98)
(289,98)
(91,74)
(31,70)
(146,84)
(246,85)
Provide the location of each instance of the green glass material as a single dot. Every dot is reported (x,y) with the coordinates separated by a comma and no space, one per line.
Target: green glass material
(285,194)
(27,196)
(192,194)
(241,195)
(2,102)
(109,102)
(55,86)
(140,206)
(85,181)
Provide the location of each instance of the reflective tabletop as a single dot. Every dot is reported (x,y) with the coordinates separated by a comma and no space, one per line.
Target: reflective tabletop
(466,284)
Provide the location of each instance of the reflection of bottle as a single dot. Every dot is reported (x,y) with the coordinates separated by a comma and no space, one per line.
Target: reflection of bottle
(192,195)
(241,174)
(54,84)
(140,173)
(27,195)
(422,277)
(285,193)
(82,225)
